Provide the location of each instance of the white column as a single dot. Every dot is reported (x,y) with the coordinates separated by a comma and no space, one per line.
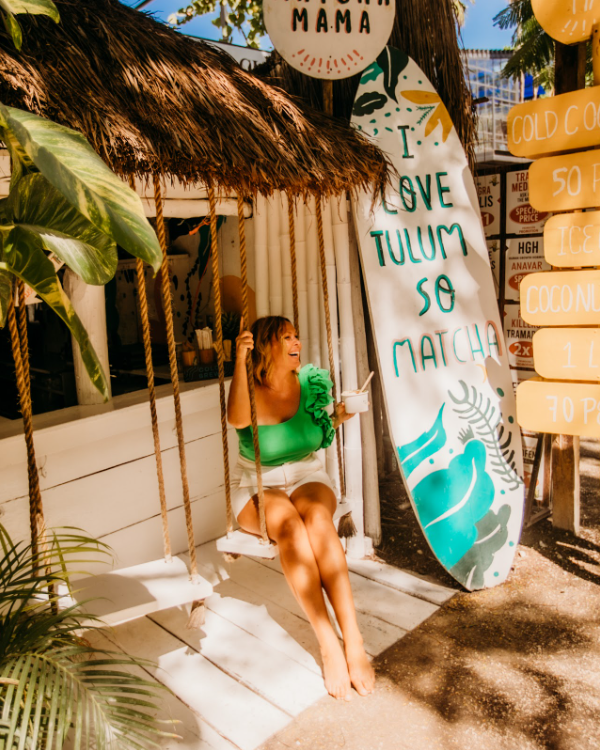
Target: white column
(286,259)
(352,440)
(332,460)
(313,282)
(89,304)
(275,278)
(302,279)
(261,256)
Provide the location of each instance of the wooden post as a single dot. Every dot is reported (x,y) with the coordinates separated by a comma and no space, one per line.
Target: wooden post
(569,75)
(89,304)
(565,483)
(569,67)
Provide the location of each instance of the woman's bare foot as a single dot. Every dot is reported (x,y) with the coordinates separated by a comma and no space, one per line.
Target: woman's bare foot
(335,671)
(360,670)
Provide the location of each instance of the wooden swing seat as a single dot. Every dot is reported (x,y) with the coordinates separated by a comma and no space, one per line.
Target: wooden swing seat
(129,593)
(241,543)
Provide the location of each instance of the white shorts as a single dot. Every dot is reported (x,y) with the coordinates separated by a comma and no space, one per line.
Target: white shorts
(287,477)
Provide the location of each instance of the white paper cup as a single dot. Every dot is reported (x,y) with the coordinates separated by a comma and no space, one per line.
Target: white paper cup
(355,402)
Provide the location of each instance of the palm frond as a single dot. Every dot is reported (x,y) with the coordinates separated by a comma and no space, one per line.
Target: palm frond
(109,706)
(514,15)
(53,684)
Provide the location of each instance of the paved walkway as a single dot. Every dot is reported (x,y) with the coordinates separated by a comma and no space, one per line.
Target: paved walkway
(253,667)
(512,668)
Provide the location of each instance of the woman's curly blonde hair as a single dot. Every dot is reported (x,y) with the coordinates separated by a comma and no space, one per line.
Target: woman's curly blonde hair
(263,330)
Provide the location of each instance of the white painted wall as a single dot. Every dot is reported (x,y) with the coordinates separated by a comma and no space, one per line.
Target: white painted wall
(98,472)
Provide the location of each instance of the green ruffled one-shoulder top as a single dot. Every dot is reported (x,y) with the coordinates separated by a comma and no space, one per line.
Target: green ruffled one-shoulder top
(308,430)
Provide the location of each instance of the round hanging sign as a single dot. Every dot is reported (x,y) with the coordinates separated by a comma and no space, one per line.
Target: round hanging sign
(329,38)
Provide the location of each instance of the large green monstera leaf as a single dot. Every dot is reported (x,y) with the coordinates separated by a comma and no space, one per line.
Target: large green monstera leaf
(43,214)
(70,164)
(66,202)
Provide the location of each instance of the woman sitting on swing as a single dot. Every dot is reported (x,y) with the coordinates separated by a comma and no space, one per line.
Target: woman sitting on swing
(299,500)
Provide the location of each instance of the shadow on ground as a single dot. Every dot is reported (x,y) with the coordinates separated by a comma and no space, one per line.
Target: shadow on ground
(516,667)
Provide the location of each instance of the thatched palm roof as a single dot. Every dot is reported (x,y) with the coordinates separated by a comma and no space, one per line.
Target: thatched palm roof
(150,100)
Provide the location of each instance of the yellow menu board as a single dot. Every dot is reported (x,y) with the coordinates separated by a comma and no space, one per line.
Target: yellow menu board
(567,353)
(565,183)
(558,123)
(567,21)
(573,240)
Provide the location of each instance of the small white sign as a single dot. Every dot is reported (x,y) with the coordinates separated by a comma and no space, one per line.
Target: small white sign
(519,339)
(521,217)
(488,192)
(524,256)
(331,39)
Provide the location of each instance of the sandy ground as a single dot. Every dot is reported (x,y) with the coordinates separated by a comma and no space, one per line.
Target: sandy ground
(516,667)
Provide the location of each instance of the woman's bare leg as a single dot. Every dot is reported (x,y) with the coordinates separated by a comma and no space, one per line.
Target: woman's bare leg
(285,526)
(315,502)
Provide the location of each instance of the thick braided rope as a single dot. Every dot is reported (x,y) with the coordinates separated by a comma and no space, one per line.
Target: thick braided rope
(143,306)
(250,372)
(23,336)
(338,435)
(220,354)
(36,510)
(168,310)
(292,230)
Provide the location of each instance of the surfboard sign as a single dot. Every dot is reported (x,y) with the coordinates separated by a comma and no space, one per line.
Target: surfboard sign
(443,361)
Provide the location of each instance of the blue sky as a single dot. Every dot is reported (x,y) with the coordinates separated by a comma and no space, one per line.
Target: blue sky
(478,32)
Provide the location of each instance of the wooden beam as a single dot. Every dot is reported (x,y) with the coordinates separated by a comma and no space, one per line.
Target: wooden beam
(569,67)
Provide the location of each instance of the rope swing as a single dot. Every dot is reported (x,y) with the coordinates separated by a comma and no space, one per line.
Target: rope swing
(238,542)
(338,436)
(143,308)
(220,354)
(292,230)
(250,372)
(168,311)
(20,351)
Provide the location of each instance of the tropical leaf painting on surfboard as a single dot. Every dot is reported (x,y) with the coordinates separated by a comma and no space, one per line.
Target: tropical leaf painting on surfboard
(439,340)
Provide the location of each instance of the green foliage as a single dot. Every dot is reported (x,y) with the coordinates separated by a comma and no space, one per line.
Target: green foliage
(460,10)
(533,48)
(53,683)
(245,16)
(42,213)
(70,164)
(65,202)
(5,292)
(11,8)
